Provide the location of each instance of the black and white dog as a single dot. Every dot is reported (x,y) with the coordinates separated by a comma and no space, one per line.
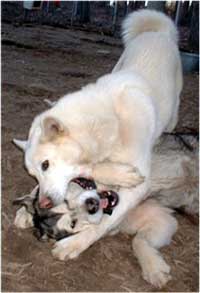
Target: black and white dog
(88,205)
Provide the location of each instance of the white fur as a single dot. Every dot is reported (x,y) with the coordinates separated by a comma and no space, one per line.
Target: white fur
(153,227)
(117,119)
(147,21)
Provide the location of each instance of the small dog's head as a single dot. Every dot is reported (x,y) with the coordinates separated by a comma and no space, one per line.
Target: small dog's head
(86,207)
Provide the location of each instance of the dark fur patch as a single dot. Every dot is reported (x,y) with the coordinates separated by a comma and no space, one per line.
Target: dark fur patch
(44,220)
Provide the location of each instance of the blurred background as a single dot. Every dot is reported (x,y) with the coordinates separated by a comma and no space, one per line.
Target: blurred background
(103,16)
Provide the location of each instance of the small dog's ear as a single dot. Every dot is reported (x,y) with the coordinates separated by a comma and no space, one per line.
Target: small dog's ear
(26,201)
(52,127)
(74,190)
(20,143)
(23,200)
(28,198)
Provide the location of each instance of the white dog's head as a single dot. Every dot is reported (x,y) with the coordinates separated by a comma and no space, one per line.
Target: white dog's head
(52,156)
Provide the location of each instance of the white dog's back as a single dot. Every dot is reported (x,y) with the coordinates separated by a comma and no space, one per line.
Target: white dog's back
(150,40)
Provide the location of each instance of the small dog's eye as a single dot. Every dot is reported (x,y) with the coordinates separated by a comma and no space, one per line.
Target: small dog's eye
(45,165)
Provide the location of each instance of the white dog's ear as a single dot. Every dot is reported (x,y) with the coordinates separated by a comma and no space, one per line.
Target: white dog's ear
(52,127)
(20,143)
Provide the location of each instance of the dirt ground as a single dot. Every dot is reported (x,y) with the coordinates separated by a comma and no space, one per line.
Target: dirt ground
(43,62)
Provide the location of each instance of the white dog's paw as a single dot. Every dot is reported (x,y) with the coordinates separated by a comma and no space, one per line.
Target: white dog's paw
(123,175)
(23,219)
(129,176)
(70,247)
(157,271)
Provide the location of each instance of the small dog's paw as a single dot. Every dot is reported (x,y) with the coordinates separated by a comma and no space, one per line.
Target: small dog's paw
(157,272)
(59,251)
(70,247)
(129,176)
(23,219)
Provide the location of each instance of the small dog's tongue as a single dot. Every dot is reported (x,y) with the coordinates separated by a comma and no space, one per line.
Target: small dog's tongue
(104,203)
(108,200)
(45,203)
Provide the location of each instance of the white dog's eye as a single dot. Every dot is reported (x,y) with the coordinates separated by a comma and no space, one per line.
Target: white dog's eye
(45,165)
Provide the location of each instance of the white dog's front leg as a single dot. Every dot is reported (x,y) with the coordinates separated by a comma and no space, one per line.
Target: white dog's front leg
(72,246)
(110,173)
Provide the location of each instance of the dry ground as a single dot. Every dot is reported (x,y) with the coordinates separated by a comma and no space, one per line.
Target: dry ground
(44,62)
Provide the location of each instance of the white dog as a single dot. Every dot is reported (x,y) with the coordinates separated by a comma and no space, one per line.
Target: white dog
(107,129)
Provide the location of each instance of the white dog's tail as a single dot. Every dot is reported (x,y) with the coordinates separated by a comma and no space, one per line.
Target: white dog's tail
(147,21)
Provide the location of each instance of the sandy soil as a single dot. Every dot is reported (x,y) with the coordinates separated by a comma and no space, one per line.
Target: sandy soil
(44,62)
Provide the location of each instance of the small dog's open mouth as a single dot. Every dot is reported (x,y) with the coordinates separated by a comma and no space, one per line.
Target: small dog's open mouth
(87,184)
(108,200)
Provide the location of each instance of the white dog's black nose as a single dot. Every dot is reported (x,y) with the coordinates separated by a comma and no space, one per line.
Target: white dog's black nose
(92,205)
